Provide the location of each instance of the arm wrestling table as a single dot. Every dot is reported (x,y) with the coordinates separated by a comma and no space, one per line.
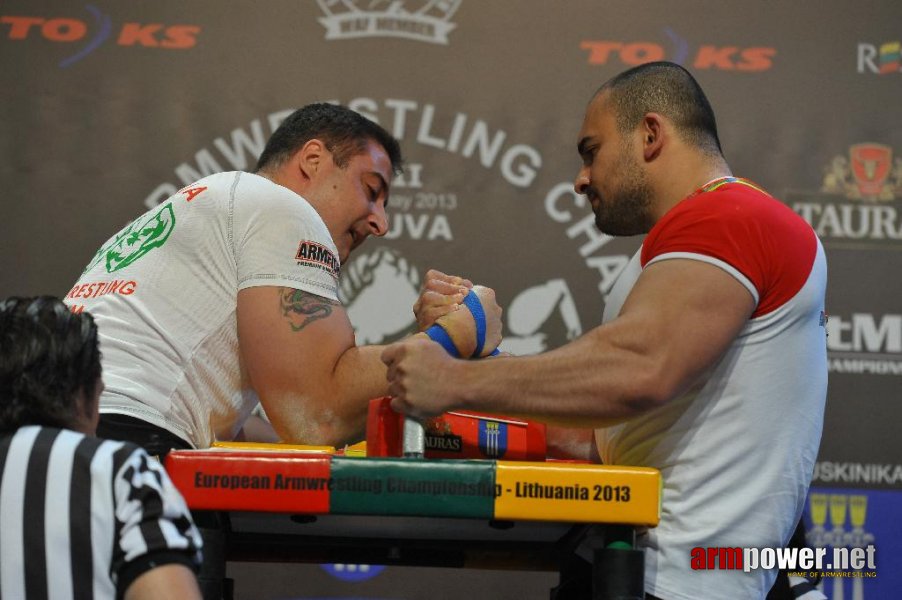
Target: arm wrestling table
(301,506)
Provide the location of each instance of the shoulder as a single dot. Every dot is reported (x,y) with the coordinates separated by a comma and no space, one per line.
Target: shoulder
(256,188)
(733,215)
(734,203)
(39,439)
(104,456)
(88,454)
(744,203)
(257,199)
(743,229)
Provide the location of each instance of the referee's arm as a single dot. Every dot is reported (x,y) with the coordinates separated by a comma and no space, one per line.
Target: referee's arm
(168,581)
(158,547)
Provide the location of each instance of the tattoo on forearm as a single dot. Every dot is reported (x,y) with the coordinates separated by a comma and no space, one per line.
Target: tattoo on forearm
(302,308)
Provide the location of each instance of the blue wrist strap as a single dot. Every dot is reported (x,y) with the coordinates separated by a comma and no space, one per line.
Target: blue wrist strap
(438,334)
(471,301)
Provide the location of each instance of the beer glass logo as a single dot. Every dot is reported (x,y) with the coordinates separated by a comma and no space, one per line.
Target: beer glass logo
(840,509)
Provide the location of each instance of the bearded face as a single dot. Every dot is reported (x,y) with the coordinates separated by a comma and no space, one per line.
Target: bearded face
(611,176)
(624,207)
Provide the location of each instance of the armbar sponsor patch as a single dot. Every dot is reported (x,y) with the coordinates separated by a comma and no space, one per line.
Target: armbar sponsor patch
(312,254)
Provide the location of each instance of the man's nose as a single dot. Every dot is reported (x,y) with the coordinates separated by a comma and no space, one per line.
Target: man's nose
(378,222)
(581,184)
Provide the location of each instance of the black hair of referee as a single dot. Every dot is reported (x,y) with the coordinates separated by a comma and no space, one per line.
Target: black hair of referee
(49,366)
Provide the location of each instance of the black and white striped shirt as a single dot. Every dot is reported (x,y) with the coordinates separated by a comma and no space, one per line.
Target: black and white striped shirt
(82,517)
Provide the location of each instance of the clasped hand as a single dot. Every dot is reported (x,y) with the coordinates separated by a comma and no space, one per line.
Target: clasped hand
(421,374)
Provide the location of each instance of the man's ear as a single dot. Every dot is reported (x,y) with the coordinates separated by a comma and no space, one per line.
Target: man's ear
(310,158)
(654,136)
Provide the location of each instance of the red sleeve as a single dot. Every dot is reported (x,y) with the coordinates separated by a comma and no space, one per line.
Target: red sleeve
(752,232)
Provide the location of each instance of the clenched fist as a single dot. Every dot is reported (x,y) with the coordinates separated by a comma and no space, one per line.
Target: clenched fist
(421,377)
(461,325)
(439,295)
(441,302)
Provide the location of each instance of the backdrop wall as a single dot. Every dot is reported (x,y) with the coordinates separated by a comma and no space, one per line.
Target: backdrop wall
(111,106)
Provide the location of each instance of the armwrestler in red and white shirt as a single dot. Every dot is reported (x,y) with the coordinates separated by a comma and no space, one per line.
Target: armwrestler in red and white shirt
(711,362)
(736,450)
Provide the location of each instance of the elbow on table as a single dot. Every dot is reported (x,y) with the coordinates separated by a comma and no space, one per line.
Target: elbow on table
(329,431)
(313,434)
(312,419)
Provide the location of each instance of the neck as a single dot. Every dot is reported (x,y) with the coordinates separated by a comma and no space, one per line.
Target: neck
(682,179)
(280,178)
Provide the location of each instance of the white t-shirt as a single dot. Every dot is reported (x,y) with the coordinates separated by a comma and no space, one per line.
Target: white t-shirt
(737,451)
(164,291)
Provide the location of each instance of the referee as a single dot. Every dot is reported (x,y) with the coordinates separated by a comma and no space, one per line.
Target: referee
(79,517)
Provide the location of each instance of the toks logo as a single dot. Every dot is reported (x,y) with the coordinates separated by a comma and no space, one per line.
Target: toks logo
(97,31)
(722,58)
(882,60)
(858,200)
(421,20)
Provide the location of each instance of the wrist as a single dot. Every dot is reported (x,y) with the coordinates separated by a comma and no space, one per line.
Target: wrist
(443,338)
(462,379)
(461,328)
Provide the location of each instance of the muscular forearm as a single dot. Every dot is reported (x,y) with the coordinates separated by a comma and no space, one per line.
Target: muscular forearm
(591,382)
(318,390)
(359,376)
(668,335)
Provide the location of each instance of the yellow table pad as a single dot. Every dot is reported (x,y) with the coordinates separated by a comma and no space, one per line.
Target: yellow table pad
(547,491)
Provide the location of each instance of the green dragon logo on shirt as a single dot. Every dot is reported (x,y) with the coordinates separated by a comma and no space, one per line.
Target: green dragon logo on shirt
(143,235)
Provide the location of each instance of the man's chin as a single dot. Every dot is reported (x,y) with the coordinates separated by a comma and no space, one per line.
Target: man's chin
(605,226)
(619,229)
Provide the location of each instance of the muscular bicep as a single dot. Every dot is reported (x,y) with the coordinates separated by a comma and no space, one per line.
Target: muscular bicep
(291,342)
(682,315)
(301,309)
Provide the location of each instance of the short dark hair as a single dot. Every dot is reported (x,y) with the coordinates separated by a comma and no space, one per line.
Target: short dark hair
(669,89)
(48,357)
(344,132)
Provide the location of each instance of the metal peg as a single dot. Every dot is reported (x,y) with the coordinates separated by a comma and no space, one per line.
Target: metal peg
(414,439)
